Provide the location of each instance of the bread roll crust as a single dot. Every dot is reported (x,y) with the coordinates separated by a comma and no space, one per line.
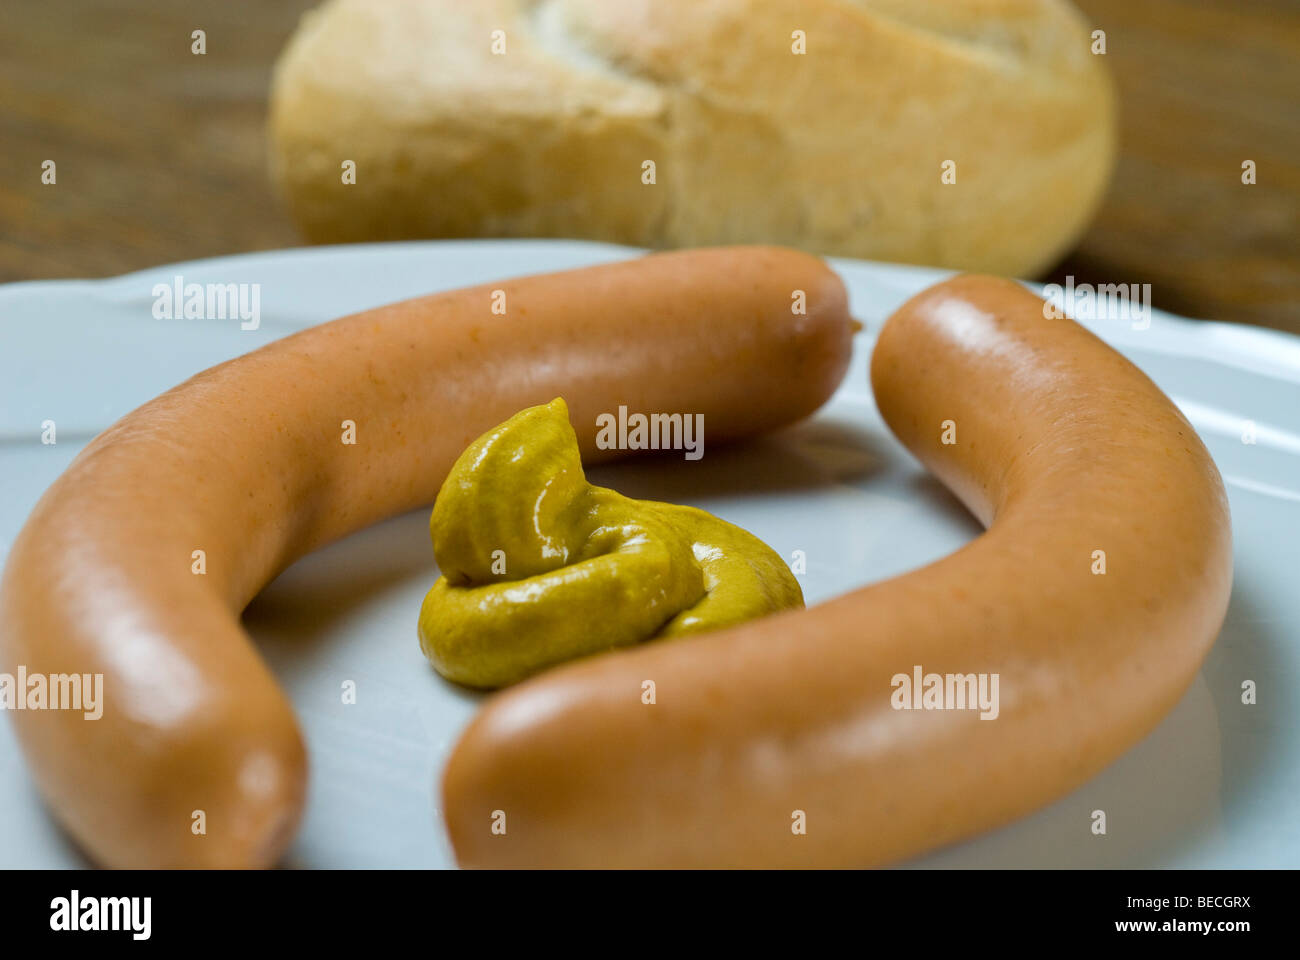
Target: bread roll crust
(839,151)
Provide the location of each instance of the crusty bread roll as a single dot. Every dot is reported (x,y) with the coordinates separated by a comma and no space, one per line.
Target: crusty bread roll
(840,150)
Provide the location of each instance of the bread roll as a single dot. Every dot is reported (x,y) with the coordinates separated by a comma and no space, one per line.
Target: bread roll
(839,150)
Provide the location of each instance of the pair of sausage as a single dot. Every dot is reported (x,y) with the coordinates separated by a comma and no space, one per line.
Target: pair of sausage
(1062,447)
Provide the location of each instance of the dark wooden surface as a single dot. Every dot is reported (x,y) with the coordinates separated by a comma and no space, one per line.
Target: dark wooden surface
(1204,85)
(161,154)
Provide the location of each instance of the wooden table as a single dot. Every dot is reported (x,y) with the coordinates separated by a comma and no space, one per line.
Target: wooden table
(161,156)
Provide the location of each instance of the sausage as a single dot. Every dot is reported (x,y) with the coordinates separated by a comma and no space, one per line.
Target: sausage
(778,743)
(246,462)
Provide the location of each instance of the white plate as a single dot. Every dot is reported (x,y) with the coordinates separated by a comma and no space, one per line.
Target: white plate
(1214,786)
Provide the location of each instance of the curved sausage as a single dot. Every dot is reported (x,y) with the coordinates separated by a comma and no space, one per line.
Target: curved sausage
(246,462)
(1062,449)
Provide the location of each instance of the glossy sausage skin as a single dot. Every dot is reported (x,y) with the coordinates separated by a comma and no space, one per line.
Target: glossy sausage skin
(246,462)
(1063,448)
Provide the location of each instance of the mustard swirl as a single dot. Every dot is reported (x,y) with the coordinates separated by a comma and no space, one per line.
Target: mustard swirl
(539,566)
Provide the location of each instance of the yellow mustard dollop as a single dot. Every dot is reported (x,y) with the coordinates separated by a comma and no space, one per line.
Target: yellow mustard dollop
(539,566)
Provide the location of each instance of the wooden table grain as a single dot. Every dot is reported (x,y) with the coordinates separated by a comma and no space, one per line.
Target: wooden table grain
(161,153)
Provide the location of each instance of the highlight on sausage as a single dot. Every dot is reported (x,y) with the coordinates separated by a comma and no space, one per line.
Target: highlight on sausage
(245,462)
(1093,596)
